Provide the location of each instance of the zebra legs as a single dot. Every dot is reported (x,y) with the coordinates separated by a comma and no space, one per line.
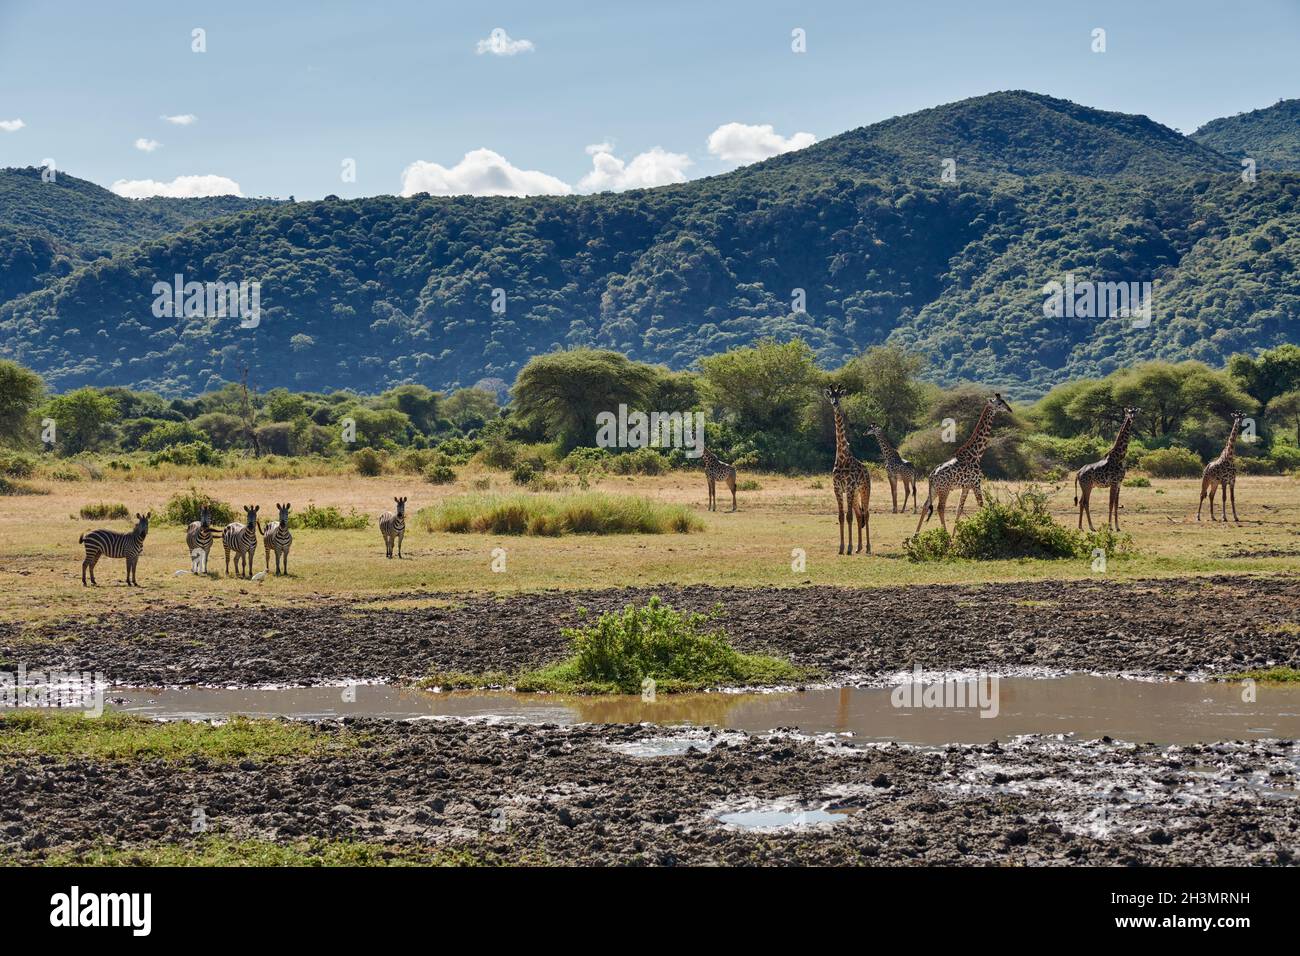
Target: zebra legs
(88,564)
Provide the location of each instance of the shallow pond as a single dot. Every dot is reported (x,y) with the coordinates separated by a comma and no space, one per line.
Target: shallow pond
(1088,706)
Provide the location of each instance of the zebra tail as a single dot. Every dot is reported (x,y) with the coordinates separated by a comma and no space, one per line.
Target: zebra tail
(81,540)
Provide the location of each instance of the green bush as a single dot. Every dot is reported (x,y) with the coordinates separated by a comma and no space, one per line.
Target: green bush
(184,508)
(105,512)
(1286,457)
(14,465)
(552,515)
(526,472)
(328,518)
(191,453)
(439,473)
(459,451)
(500,452)
(1171,462)
(1137,481)
(639,461)
(368,462)
(620,651)
(1021,527)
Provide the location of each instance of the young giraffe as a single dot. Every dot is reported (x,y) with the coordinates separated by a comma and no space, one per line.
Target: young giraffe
(852,481)
(715,468)
(962,471)
(897,468)
(1221,474)
(1107,473)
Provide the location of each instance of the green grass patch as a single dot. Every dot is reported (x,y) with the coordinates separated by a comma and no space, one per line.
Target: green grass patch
(1273,675)
(128,737)
(103,511)
(553,515)
(1020,527)
(215,850)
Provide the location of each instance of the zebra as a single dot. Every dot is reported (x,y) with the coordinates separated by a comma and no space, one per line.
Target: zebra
(114,544)
(277,538)
(198,538)
(242,539)
(393,527)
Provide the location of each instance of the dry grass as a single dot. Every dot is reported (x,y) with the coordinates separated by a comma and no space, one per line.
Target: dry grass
(40,559)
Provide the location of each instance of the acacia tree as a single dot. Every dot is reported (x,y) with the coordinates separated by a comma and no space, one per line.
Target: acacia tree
(561,393)
(21,390)
(1265,377)
(81,418)
(764,387)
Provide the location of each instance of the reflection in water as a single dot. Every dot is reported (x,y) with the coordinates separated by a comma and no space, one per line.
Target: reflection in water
(1080,704)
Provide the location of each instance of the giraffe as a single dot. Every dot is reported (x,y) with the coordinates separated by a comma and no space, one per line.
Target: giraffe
(1107,473)
(897,468)
(962,471)
(1221,474)
(715,468)
(851,479)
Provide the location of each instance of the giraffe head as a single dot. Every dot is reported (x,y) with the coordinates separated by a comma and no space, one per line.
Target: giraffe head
(874,428)
(998,404)
(835,393)
(1238,418)
(1131,412)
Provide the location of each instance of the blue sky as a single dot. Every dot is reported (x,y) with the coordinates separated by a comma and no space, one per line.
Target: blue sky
(287,91)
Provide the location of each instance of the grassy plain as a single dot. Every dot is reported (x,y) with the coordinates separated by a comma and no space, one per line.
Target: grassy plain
(40,559)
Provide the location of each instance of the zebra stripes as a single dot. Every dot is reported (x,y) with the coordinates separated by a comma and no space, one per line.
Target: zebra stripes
(277,539)
(198,537)
(113,544)
(393,527)
(242,539)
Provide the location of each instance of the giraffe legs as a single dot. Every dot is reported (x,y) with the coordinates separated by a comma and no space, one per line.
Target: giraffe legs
(864,518)
(1205,483)
(731,485)
(839,502)
(893,491)
(927,510)
(914,497)
(1233,488)
(713,493)
(1085,506)
(1114,506)
(961,504)
(943,507)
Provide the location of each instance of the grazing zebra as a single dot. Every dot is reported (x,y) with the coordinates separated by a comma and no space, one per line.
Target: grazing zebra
(242,539)
(278,539)
(114,544)
(393,527)
(198,538)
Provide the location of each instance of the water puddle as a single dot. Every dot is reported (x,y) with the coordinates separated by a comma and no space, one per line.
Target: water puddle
(1086,706)
(779,819)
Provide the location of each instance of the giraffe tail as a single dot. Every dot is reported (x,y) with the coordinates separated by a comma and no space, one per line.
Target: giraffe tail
(928,508)
(1076,487)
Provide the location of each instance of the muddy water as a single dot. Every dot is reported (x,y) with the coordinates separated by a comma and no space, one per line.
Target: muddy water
(1084,705)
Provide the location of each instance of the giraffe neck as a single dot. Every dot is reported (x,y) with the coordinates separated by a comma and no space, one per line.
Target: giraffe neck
(973,450)
(1120,448)
(841,441)
(708,457)
(892,457)
(1230,448)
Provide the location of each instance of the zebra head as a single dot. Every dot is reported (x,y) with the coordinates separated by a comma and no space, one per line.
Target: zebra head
(284,513)
(142,524)
(401,507)
(205,517)
(250,515)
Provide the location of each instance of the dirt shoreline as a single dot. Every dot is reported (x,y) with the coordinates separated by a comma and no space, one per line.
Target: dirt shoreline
(566,796)
(1160,627)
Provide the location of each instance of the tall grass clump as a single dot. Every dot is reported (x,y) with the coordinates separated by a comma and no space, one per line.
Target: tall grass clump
(553,515)
(1020,527)
(329,518)
(103,511)
(678,651)
(184,508)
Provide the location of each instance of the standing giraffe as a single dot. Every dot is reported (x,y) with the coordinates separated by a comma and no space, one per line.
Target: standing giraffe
(851,479)
(1107,473)
(715,468)
(1222,474)
(963,471)
(897,468)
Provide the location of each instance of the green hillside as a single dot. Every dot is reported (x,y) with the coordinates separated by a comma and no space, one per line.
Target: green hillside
(1270,136)
(374,292)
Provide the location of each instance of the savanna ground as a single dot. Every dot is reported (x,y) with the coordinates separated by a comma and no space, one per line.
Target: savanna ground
(1192,599)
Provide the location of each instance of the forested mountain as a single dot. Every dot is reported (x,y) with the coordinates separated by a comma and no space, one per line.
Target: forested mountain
(372,292)
(1270,136)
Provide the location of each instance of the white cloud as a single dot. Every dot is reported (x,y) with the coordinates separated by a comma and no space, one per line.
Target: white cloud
(147,145)
(12,126)
(499,43)
(182,119)
(481,173)
(741,143)
(655,167)
(182,187)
